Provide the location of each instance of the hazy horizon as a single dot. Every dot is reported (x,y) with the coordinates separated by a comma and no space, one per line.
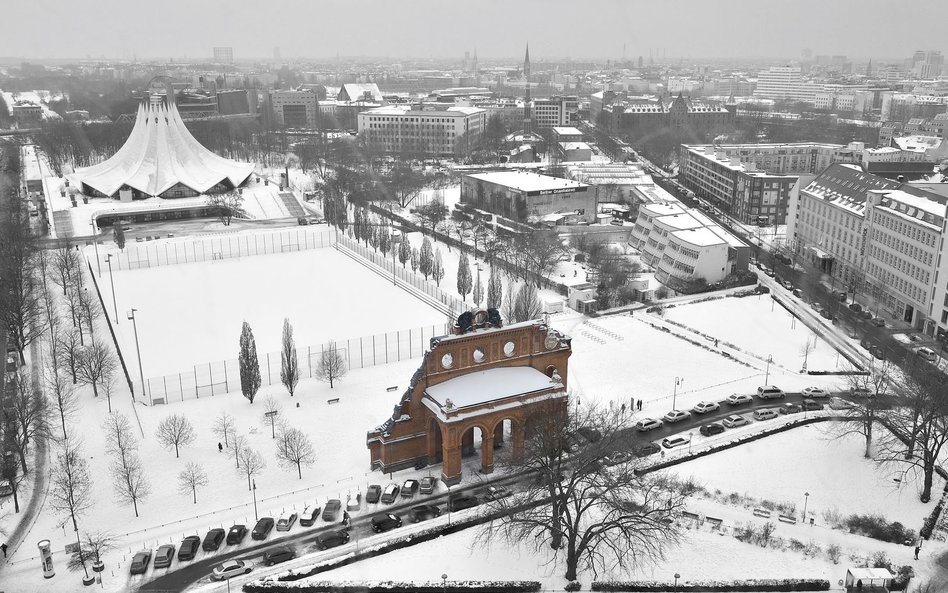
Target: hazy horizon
(555,29)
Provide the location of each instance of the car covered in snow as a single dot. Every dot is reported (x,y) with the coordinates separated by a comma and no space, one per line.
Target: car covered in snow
(676,416)
(739,399)
(733,421)
(230,569)
(390,494)
(309,515)
(647,424)
(410,488)
(705,407)
(815,393)
(286,521)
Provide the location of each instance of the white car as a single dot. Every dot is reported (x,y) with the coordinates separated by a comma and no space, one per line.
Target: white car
(231,568)
(765,413)
(739,399)
(705,407)
(734,421)
(286,521)
(647,424)
(676,416)
(814,393)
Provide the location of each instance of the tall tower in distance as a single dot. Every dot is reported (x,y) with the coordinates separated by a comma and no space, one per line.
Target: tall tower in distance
(527,121)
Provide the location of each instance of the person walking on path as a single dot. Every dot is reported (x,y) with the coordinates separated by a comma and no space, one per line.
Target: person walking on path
(639,404)
(4,548)
(917,550)
(220,448)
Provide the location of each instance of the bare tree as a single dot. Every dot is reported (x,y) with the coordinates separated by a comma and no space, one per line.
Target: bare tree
(237,444)
(510,303)
(192,478)
(295,449)
(289,361)
(253,463)
(861,416)
(10,473)
(28,413)
(69,349)
(63,396)
(92,545)
(224,426)
(227,206)
(66,266)
(89,309)
(332,364)
(74,306)
(70,490)
(175,432)
(96,365)
(128,475)
(21,307)
(527,305)
(271,409)
(603,516)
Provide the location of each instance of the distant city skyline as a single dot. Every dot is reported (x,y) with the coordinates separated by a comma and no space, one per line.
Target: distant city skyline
(555,29)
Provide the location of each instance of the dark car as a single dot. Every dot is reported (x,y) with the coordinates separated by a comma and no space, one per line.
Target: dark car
(763,289)
(385,522)
(711,429)
(648,449)
(373,493)
(616,457)
(423,512)
(428,484)
(410,488)
(592,435)
(164,556)
(459,503)
(855,307)
(263,528)
(811,404)
(789,408)
(878,352)
(140,562)
(213,539)
(189,547)
(302,221)
(278,555)
(331,539)
(236,534)
(878,322)
(866,314)
(331,510)
(390,494)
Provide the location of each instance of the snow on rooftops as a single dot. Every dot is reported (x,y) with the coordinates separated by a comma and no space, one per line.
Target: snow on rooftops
(699,237)
(912,203)
(489,385)
(527,181)
(661,209)
(680,221)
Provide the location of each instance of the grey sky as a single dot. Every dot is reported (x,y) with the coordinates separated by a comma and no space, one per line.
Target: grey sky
(448,28)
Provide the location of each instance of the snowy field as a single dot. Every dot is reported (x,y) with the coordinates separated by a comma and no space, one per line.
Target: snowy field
(765,329)
(192,313)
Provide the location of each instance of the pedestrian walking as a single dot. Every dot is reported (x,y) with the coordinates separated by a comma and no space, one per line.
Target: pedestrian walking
(220,448)
(4,548)
(917,550)
(345,518)
(623,408)
(639,404)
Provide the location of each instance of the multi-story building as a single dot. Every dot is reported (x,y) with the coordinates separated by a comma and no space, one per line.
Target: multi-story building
(224,55)
(418,129)
(619,183)
(554,111)
(785,83)
(524,197)
(642,118)
(294,108)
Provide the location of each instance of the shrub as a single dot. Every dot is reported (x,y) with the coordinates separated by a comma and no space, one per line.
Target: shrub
(573,586)
(834,552)
(833,517)
(931,520)
(756,585)
(902,578)
(880,560)
(876,527)
(796,545)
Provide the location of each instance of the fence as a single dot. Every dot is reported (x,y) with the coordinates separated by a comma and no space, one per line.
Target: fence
(182,251)
(223,376)
(405,275)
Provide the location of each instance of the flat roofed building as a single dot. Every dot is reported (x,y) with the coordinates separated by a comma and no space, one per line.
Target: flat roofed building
(424,130)
(295,108)
(526,197)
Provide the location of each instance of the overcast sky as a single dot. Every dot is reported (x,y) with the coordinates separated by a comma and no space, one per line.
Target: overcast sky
(448,28)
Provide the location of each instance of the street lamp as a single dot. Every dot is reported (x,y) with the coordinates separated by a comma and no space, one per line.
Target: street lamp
(678,381)
(138,350)
(677,576)
(254,490)
(444,583)
(108,260)
(770,359)
(806,500)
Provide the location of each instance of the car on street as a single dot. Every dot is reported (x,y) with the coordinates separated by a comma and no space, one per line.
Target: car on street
(409,488)
(878,322)
(860,392)
(309,515)
(286,521)
(428,484)
(372,493)
(647,424)
(739,399)
(459,503)
(616,457)
(591,435)
(262,529)
(278,555)
(765,414)
(790,408)
(140,562)
(164,555)
(189,547)
(331,539)
(498,492)
(855,307)
(423,512)
(213,539)
(814,393)
(672,442)
(733,421)
(385,522)
(926,354)
(647,449)
(878,352)
(236,534)
(390,494)
(676,416)
(705,407)
(331,510)
(770,392)
(711,429)
(231,569)
(866,314)
(811,405)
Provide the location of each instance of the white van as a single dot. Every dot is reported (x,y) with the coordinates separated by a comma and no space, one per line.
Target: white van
(769,392)
(926,354)
(765,414)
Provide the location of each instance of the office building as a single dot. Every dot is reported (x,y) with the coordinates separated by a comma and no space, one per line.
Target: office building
(425,130)
(529,197)
(224,55)
(645,118)
(294,108)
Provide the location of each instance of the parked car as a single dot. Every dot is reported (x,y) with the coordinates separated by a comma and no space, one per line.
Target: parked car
(770,392)
(790,408)
(302,221)
(765,414)
(866,343)
(860,392)
(797,293)
(278,555)
(423,512)
(616,457)
(812,405)
(286,521)
(6,489)
(676,416)
(814,393)
(164,555)
(409,488)
(787,285)
(213,539)
(459,503)
(140,562)
(390,494)
(498,492)
(672,442)
(648,449)
(262,529)
(373,493)
(331,510)
(926,354)
(878,352)
(236,534)
(385,522)
(189,547)
(230,569)
(878,322)
(855,307)
(711,429)
(705,407)
(647,424)
(827,314)
(309,515)
(428,484)
(739,399)
(734,421)
(331,539)
(591,435)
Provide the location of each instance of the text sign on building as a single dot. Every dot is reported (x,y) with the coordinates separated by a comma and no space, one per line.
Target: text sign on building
(562,190)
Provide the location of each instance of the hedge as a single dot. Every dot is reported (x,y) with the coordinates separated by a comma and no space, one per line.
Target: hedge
(396,587)
(751,585)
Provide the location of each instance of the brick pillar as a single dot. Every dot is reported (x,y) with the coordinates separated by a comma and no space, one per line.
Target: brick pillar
(451,465)
(518,434)
(467,443)
(487,457)
(499,436)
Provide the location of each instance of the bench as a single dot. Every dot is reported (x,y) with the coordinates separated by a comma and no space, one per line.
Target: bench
(690,515)
(762,513)
(334,400)
(714,521)
(787,519)
(392,388)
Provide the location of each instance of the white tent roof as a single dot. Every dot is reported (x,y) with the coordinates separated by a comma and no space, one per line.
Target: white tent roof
(159,154)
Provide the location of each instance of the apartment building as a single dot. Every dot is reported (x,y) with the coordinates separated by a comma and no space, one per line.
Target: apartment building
(427,130)
(295,108)
(555,111)
(785,83)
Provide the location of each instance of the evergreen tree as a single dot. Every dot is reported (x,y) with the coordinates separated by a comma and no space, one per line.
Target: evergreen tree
(289,361)
(385,240)
(495,290)
(249,365)
(478,294)
(437,268)
(464,276)
(404,249)
(414,259)
(119,235)
(426,259)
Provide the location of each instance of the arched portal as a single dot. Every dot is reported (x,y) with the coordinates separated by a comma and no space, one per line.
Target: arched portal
(435,442)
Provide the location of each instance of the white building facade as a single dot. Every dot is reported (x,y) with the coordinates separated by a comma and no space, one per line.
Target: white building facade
(422,129)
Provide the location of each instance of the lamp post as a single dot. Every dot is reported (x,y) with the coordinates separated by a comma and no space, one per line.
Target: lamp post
(138,350)
(678,381)
(806,500)
(254,490)
(677,576)
(444,583)
(770,359)
(108,260)
(691,435)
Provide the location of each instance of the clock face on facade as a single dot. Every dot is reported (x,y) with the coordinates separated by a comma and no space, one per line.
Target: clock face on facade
(447,361)
(551,342)
(509,349)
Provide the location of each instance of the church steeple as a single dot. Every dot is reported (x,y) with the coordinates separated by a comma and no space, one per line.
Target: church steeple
(527,119)
(526,63)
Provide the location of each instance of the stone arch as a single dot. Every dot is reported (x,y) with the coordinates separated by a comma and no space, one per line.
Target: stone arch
(503,429)
(435,441)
